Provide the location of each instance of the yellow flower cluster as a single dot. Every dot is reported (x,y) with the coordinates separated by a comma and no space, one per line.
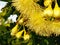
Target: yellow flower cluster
(52,12)
(18,34)
(35,13)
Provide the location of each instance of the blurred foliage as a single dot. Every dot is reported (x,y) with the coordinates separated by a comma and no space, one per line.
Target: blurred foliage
(7,39)
(7,0)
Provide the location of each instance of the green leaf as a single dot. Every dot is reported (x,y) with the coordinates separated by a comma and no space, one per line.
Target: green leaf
(7,0)
(2,28)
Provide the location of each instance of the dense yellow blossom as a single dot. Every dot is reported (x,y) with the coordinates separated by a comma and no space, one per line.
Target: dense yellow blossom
(36,22)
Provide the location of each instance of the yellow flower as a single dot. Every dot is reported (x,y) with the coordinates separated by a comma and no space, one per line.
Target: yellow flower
(27,9)
(56,11)
(19,34)
(14,30)
(48,11)
(35,22)
(47,2)
(26,37)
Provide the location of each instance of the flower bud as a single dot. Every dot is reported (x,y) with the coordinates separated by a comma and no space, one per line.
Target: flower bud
(56,11)
(48,11)
(19,34)
(26,37)
(47,2)
(21,21)
(14,30)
